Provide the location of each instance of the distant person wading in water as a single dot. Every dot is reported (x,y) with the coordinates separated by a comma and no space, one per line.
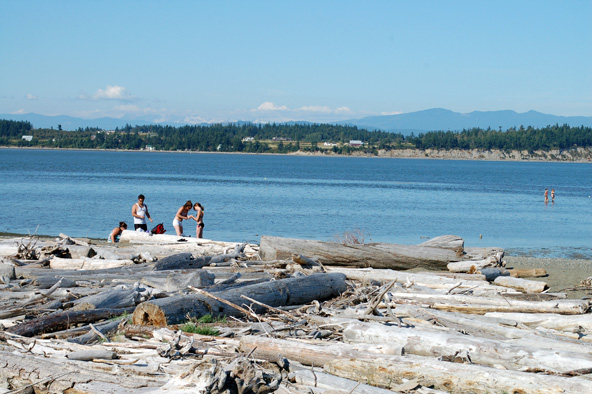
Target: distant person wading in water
(181,214)
(546,196)
(140,213)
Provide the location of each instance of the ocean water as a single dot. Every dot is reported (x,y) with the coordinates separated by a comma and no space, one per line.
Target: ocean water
(406,201)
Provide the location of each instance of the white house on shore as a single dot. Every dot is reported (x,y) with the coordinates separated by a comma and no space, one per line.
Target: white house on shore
(355,143)
(28,138)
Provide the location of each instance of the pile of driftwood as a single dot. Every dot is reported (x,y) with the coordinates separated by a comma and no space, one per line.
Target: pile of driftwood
(292,316)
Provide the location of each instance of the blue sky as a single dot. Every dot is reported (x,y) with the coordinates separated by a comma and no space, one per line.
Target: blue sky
(196,61)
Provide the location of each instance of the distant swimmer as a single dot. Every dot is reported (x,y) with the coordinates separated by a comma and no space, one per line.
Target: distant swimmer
(552,195)
(546,196)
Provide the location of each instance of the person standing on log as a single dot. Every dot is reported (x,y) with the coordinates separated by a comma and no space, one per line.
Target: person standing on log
(116,233)
(181,214)
(140,213)
(199,219)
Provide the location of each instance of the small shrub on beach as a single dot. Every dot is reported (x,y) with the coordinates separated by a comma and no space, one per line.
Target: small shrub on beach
(193,328)
(353,237)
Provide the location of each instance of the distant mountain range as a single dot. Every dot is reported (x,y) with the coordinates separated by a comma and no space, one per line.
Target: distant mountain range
(443,119)
(417,122)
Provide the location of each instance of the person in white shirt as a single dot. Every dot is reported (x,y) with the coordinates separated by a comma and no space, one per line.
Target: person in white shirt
(140,213)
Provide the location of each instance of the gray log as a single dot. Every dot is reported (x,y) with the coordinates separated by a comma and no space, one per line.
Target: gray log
(376,255)
(186,261)
(64,319)
(453,242)
(117,298)
(45,282)
(292,291)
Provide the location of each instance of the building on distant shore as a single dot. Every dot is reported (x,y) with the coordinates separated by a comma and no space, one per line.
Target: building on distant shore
(248,139)
(28,138)
(355,143)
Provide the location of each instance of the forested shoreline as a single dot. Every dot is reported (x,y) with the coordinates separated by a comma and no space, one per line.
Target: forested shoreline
(290,138)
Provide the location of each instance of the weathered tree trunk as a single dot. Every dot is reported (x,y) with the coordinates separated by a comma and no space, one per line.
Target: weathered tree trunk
(186,261)
(472,266)
(453,377)
(292,291)
(62,320)
(568,323)
(316,353)
(480,351)
(523,285)
(109,299)
(430,280)
(333,384)
(481,305)
(64,376)
(376,255)
(58,263)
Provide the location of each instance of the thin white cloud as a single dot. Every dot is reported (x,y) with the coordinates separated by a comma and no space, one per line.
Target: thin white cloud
(391,113)
(316,108)
(29,96)
(342,110)
(110,93)
(269,106)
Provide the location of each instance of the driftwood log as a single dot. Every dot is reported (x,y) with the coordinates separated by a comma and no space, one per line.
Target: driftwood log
(63,319)
(292,291)
(376,255)
(453,377)
(186,260)
(482,351)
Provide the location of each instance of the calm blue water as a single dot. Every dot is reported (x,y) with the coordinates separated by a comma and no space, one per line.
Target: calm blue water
(86,193)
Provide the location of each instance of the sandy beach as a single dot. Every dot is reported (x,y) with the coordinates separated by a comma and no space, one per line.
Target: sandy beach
(562,274)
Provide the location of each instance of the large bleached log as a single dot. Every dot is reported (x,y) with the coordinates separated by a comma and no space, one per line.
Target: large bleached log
(452,242)
(58,263)
(481,305)
(376,255)
(506,329)
(291,291)
(61,320)
(523,285)
(472,265)
(333,384)
(453,377)
(314,353)
(480,351)
(58,376)
(430,280)
(569,323)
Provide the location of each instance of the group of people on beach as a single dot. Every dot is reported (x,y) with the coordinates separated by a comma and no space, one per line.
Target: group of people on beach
(547,195)
(140,214)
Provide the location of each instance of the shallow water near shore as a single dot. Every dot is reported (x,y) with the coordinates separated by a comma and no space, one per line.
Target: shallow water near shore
(405,201)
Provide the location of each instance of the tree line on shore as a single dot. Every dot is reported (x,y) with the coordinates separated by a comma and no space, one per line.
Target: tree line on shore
(285,138)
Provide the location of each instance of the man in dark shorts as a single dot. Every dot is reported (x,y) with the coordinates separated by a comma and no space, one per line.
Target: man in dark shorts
(140,213)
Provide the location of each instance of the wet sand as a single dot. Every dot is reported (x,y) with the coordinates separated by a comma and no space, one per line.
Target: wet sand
(562,274)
